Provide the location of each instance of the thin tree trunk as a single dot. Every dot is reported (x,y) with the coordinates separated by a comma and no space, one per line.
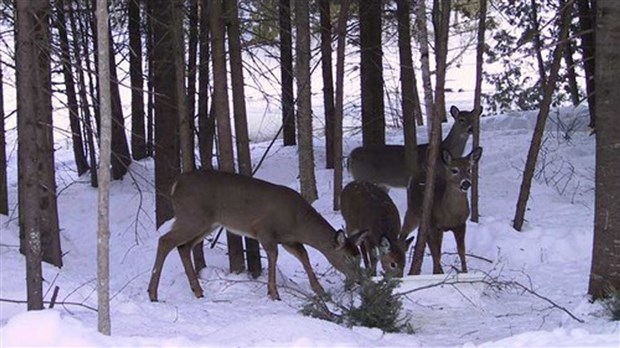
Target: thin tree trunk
(206,123)
(341,33)
(150,84)
(571,74)
(549,89)
(286,73)
(80,56)
(328,80)
(537,43)
(586,24)
(410,100)
(4,195)
(371,71)
(307,179)
(421,25)
(138,137)
(244,160)
(222,112)
(605,270)
(185,120)
(475,214)
(441,22)
(165,106)
(103,230)
(72,104)
(192,71)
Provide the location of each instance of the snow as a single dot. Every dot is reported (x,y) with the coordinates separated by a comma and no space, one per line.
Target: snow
(551,256)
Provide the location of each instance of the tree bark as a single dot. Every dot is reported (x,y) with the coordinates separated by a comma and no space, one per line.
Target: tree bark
(410,100)
(72,104)
(475,214)
(587,25)
(4,194)
(341,33)
(605,271)
(192,71)
(39,235)
(441,21)
(222,112)
(421,25)
(206,121)
(138,136)
(244,160)
(549,89)
(307,179)
(371,71)
(328,80)
(186,131)
(167,160)
(286,73)
(103,230)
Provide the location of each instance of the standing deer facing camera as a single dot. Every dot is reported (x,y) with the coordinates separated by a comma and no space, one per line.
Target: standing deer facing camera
(384,165)
(450,208)
(272,214)
(366,207)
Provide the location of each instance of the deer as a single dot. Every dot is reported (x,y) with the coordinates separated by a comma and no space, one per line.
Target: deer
(450,208)
(366,207)
(273,214)
(385,165)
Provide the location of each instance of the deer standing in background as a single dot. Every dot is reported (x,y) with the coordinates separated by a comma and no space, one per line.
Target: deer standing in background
(366,207)
(450,208)
(250,207)
(385,165)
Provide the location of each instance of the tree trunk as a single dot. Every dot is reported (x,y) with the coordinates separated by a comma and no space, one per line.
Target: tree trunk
(537,43)
(222,112)
(192,71)
(138,137)
(4,194)
(186,131)
(475,214)
(328,83)
(410,100)
(371,71)
(121,159)
(421,25)
(605,271)
(341,32)
(549,89)
(244,160)
(571,74)
(165,106)
(587,25)
(150,84)
(80,56)
(72,104)
(103,230)
(39,234)
(206,121)
(307,179)
(441,21)
(286,73)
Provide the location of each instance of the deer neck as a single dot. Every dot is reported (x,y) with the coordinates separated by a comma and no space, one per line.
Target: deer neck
(456,140)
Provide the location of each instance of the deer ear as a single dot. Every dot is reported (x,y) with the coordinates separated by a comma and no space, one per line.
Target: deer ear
(358,236)
(454,111)
(446,156)
(341,239)
(475,154)
(384,245)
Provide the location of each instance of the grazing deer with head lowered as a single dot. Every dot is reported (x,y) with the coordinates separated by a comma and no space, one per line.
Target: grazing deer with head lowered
(385,165)
(450,208)
(366,207)
(272,214)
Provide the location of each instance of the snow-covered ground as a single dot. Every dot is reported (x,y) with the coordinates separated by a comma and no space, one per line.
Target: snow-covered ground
(551,256)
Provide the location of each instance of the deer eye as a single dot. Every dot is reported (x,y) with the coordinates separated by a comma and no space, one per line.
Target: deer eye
(393,265)
(454,170)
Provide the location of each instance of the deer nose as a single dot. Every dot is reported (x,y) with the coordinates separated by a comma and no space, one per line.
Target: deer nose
(465,185)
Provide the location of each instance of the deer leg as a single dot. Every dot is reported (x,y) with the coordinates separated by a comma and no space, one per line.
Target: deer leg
(364,251)
(299,251)
(434,243)
(185,254)
(459,236)
(166,243)
(410,223)
(271,249)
